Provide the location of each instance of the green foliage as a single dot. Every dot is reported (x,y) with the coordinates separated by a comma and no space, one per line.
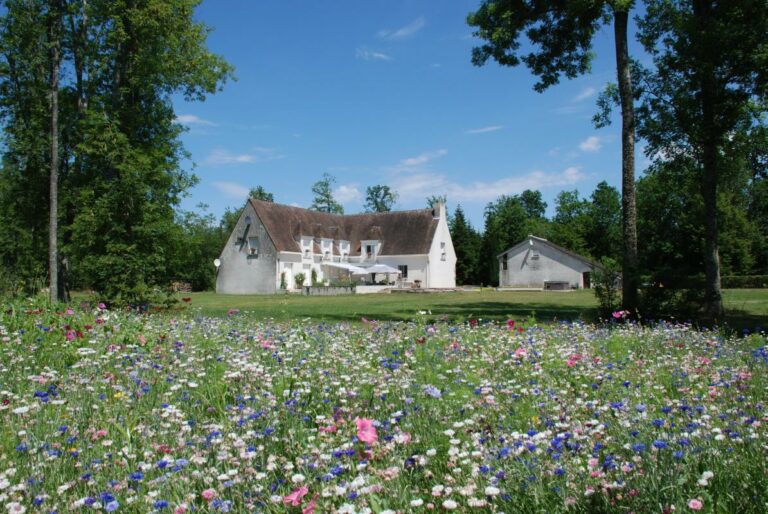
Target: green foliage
(120,153)
(313,277)
(323,200)
(708,84)
(505,225)
(379,198)
(433,200)
(467,244)
(603,227)
(605,284)
(259,193)
(571,222)
(560,32)
(533,204)
(299,278)
(745,281)
(283,282)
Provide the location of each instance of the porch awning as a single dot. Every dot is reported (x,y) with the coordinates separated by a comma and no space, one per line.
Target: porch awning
(381,268)
(355,270)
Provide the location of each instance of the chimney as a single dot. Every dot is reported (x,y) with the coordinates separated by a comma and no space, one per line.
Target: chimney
(438,211)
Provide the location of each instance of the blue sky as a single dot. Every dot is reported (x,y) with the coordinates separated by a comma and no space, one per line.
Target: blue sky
(383,92)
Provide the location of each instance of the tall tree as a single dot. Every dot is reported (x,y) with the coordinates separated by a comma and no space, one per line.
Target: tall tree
(571,221)
(603,231)
(711,74)
(379,198)
(534,205)
(466,242)
(505,225)
(120,175)
(55,15)
(259,193)
(26,154)
(433,200)
(323,200)
(562,33)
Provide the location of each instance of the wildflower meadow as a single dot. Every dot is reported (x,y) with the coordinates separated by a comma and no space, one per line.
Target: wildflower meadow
(106,411)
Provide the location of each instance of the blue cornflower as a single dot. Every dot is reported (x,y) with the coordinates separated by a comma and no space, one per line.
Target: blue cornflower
(136,476)
(658,422)
(659,444)
(112,506)
(160,504)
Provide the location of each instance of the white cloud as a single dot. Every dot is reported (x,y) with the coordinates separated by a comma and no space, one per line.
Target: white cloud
(221,156)
(191,119)
(422,184)
(591,144)
(421,159)
(585,93)
(371,55)
(483,130)
(232,190)
(403,32)
(346,193)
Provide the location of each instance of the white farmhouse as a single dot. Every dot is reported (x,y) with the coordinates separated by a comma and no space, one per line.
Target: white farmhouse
(273,243)
(538,263)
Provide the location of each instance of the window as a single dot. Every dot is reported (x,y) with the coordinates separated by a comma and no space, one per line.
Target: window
(253,246)
(306,253)
(504,262)
(327,255)
(403,270)
(368,250)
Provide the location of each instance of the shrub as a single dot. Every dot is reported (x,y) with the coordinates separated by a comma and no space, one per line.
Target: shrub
(605,282)
(299,279)
(283,283)
(744,281)
(314,277)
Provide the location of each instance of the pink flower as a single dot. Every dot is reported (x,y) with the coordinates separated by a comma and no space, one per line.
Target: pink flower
(510,324)
(232,312)
(521,352)
(295,497)
(695,504)
(366,432)
(310,508)
(208,494)
(70,335)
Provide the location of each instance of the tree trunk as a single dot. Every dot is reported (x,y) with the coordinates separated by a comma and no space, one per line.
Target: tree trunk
(713,299)
(54,42)
(629,209)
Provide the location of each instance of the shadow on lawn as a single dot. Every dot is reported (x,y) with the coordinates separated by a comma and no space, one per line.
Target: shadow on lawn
(500,311)
(736,322)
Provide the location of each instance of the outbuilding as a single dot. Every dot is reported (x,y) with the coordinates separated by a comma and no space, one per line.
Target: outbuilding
(539,264)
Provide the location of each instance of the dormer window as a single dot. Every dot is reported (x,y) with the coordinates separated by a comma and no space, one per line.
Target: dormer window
(306,253)
(368,250)
(327,255)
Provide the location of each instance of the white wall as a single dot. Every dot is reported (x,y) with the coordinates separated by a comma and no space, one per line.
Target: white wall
(552,265)
(442,273)
(241,273)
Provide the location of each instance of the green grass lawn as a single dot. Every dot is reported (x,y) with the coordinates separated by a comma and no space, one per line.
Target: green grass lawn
(745,307)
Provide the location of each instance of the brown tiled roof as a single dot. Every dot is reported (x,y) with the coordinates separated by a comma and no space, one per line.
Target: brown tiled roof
(400,232)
